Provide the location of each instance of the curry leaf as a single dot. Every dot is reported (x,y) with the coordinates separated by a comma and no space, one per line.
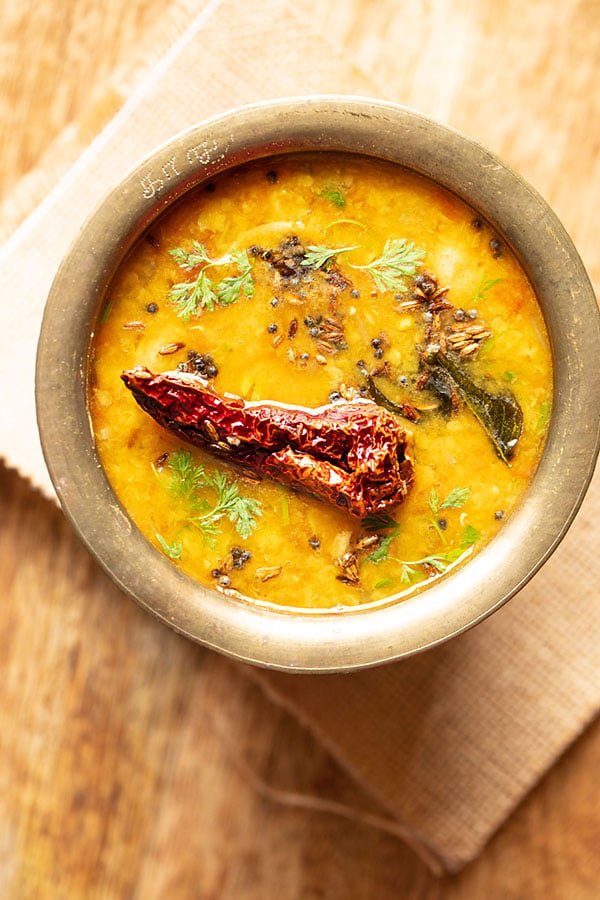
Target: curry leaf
(499,414)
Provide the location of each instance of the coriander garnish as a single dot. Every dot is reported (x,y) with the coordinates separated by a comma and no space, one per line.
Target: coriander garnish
(241,511)
(399,261)
(470,536)
(188,482)
(335,194)
(544,415)
(232,288)
(190,296)
(378,522)
(202,292)
(318,256)
(455,499)
(173,549)
(191,259)
(435,563)
(485,285)
(383,548)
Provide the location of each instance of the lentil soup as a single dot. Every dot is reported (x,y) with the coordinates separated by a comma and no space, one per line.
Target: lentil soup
(319,282)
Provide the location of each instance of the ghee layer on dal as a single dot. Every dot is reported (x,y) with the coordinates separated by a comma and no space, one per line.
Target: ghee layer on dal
(271,319)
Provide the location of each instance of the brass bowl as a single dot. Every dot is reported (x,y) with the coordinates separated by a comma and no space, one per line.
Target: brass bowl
(322,640)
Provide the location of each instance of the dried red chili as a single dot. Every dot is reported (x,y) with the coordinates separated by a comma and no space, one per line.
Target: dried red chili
(353,454)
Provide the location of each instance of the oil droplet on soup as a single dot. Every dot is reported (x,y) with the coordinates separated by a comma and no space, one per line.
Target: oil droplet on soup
(306,280)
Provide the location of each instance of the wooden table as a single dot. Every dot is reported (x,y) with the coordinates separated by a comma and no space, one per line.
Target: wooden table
(128,756)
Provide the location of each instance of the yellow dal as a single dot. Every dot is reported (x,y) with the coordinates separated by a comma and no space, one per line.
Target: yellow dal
(247,207)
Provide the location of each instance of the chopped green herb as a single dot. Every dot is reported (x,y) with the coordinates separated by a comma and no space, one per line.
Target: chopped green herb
(470,536)
(173,550)
(202,292)
(485,285)
(413,569)
(241,511)
(187,480)
(455,499)
(231,289)
(509,376)
(544,415)
(319,256)
(410,570)
(383,583)
(106,312)
(335,194)
(439,562)
(409,573)
(399,261)
(378,522)
(382,551)
(191,259)
(190,296)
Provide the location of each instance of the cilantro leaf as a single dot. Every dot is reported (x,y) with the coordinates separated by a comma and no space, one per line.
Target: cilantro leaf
(318,256)
(241,511)
(378,522)
(191,259)
(381,552)
(173,550)
(485,285)
(470,536)
(456,498)
(202,292)
(190,296)
(189,482)
(232,288)
(335,194)
(186,478)
(544,415)
(399,261)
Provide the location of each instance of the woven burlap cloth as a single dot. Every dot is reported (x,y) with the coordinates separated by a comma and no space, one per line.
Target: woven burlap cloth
(447,742)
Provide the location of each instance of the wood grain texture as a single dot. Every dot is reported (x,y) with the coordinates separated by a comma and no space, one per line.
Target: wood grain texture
(132,763)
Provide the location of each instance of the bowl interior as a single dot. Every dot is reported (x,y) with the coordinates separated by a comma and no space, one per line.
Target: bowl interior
(322,640)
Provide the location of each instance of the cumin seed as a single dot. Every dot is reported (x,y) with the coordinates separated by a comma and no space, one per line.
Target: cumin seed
(168,349)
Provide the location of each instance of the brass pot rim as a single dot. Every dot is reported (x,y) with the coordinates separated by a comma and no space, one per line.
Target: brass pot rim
(322,640)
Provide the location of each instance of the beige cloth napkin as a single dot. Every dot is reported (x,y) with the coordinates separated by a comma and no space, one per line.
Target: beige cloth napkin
(447,742)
